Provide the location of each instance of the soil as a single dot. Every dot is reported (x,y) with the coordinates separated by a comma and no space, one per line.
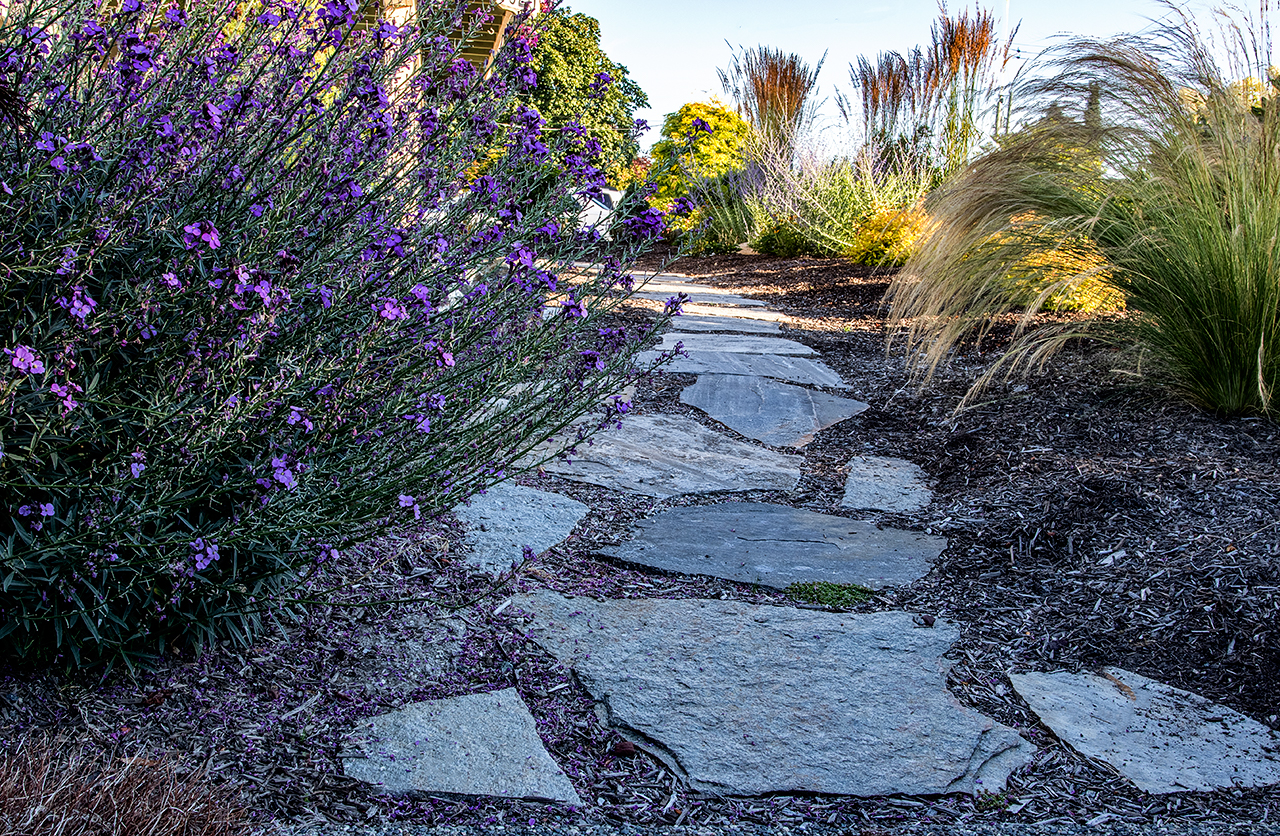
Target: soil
(1093,519)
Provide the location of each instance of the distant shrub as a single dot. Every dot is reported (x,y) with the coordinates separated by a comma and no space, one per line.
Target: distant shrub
(1073,276)
(261,303)
(863,209)
(782,237)
(700,141)
(886,237)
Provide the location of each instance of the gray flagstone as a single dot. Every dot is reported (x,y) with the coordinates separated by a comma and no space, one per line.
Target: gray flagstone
(775,413)
(478,744)
(775,545)
(745,699)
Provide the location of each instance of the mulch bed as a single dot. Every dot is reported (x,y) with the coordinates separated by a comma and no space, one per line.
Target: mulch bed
(1093,520)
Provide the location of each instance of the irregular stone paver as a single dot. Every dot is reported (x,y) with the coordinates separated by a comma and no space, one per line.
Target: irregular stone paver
(756,542)
(747,699)
(667,455)
(661,291)
(694,309)
(685,322)
(885,484)
(501,522)
(778,414)
(1161,738)
(793,369)
(695,344)
(479,744)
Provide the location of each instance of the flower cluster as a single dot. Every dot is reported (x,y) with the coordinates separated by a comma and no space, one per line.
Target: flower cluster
(252,294)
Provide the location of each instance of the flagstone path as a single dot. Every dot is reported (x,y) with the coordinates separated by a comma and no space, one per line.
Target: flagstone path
(743,699)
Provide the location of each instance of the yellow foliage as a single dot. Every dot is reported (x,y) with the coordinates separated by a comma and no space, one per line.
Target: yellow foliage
(1074,274)
(887,236)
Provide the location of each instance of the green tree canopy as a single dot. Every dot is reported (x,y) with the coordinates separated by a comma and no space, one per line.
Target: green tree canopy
(700,140)
(577,82)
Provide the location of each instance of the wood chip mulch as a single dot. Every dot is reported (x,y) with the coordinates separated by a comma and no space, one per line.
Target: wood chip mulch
(1093,520)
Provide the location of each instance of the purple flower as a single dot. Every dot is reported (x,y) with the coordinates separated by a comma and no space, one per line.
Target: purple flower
(203,553)
(60,163)
(171,281)
(201,231)
(393,310)
(648,224)
(574,308)
(296,416)
(522,256)
(407,501)
(64,392)
(423,422)
(283,474)
(46,509)
(82,304)
(700,125)
(137,465)
(24,360)
(24,510)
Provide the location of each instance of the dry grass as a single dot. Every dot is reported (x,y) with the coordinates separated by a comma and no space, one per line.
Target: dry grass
(48,787)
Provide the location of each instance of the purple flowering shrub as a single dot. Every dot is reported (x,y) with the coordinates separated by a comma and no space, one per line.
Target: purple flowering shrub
(258,306)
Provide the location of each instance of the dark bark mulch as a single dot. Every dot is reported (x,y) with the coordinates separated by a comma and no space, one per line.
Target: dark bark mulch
(1093,520)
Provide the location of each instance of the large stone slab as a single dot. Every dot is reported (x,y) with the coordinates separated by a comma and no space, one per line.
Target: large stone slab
(778,414)
(502,521)
(782,367)
(773,545)
(885,484)
(737,324)
(746,699)
(479,744)
(737,343)
(1161,738)
(667,455)
(661,291)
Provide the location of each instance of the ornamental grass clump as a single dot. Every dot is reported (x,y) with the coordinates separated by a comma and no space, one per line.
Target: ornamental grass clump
(866,209)
(1144,162)
(258,304)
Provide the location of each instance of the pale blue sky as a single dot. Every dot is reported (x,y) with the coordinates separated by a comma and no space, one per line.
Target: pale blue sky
(673,47)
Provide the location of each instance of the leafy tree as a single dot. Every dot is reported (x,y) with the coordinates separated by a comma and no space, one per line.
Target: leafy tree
(578,83)
(701,140)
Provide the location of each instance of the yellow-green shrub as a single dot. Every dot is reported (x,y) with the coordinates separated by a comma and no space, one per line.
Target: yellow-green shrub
(886,237)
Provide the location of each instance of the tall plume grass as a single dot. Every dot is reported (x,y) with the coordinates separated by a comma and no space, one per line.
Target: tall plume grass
(1149,152)
(773,92)
(926,106)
